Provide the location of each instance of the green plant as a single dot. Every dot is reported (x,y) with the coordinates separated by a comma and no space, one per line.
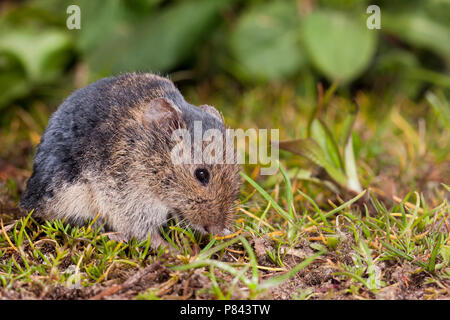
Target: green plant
(321,147)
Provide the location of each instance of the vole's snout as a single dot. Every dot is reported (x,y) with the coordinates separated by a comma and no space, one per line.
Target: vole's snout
(216,229)
(210,229)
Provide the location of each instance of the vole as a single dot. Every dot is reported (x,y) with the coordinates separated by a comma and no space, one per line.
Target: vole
(106,152)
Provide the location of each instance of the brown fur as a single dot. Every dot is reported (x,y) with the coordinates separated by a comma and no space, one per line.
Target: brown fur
(136,188)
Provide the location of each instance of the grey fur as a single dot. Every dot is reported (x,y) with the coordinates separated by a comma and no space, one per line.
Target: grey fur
(100,155)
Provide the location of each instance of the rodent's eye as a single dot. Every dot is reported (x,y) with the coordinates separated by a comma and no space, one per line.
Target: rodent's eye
(202,175)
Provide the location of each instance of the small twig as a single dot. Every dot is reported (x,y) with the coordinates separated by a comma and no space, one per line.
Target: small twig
(233,234)
(10,225)
(185,287)
(166,286)
(128,283)
(6,236)
(407,204)
(256,218)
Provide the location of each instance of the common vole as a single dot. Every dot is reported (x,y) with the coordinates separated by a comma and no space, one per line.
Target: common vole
(106,151)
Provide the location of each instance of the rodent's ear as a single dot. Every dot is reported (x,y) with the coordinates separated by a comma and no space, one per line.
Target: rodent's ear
(212,111)
(162,111)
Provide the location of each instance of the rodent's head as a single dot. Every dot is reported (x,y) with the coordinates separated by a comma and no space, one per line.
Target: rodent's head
(202,193)
(204,196)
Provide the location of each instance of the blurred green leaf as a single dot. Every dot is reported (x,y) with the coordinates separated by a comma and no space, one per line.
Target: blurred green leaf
(159,42)
(440,106)
(340,46)
(30,57)
(101,23)
(344,4)
(265,42)
(419,30)
(349,155)
(350,167)
(13,85)
(396,64)
(347,125)
(445,253)
(322,149)
(322,135)
(41,53)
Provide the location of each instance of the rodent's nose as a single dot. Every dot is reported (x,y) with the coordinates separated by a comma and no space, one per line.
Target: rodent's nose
(215,229)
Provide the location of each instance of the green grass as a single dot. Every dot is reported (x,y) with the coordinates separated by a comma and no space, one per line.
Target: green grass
(54,253)
(299,234)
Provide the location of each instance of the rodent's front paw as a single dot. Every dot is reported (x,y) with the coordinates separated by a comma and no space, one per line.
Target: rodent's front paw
(158,242)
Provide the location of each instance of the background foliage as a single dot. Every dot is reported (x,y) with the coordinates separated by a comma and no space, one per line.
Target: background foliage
(252,42)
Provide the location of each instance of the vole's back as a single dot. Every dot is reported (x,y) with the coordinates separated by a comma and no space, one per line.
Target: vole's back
(107,154)
(76,138)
